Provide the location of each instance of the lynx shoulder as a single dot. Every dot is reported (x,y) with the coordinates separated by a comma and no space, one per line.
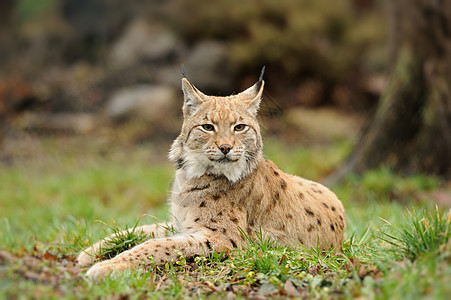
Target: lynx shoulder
(224,187)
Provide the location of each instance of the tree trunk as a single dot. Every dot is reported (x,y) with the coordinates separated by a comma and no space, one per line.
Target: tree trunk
(411,129)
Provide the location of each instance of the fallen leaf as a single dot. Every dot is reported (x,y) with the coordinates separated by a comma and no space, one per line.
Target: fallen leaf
(314,269)
(291,289)
(283,258)
(322,264)
(367,270)
(49,256)
(211,286)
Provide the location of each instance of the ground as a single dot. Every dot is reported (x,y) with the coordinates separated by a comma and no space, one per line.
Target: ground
(60,194)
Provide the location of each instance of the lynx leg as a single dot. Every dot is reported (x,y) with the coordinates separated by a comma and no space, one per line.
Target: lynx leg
(162,251)
(88,256)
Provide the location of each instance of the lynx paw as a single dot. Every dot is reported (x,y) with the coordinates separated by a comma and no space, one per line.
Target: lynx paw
(85,258)
(105,268)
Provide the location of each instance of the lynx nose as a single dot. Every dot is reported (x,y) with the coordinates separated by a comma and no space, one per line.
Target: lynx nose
(225,148)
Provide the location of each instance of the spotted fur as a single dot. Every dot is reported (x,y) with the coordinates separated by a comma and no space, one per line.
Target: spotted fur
(223,187)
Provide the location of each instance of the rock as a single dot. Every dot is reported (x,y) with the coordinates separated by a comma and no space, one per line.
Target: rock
(77,123)
(146,102)
(142,41)
(209,69)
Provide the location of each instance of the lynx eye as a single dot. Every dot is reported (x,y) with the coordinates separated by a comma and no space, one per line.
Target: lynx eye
(239,127)
(208,127)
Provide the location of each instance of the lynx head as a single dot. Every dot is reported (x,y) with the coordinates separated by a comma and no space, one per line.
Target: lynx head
(220,135)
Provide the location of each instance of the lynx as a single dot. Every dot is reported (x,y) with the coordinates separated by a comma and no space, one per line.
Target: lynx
(225,189)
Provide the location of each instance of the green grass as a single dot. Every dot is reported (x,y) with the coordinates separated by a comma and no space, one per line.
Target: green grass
(426,234)
(57,202)
(122,239)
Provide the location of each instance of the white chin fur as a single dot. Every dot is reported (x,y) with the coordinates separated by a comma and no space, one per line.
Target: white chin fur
(197,164)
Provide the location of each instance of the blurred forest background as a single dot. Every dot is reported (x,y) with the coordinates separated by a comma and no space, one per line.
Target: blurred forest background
(83,67)
(111,69)
(357,96)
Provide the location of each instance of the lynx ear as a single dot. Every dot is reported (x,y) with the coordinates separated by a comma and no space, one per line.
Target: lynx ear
(192,96)
(254,94)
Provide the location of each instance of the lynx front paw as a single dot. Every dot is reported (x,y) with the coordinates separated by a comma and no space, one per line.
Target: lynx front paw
(105,268)
(86,258)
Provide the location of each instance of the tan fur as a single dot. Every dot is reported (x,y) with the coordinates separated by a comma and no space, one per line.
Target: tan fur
(216,194)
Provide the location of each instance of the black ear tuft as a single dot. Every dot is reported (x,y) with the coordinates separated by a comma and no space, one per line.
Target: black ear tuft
(260,79)
(184,72)
(261,74)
